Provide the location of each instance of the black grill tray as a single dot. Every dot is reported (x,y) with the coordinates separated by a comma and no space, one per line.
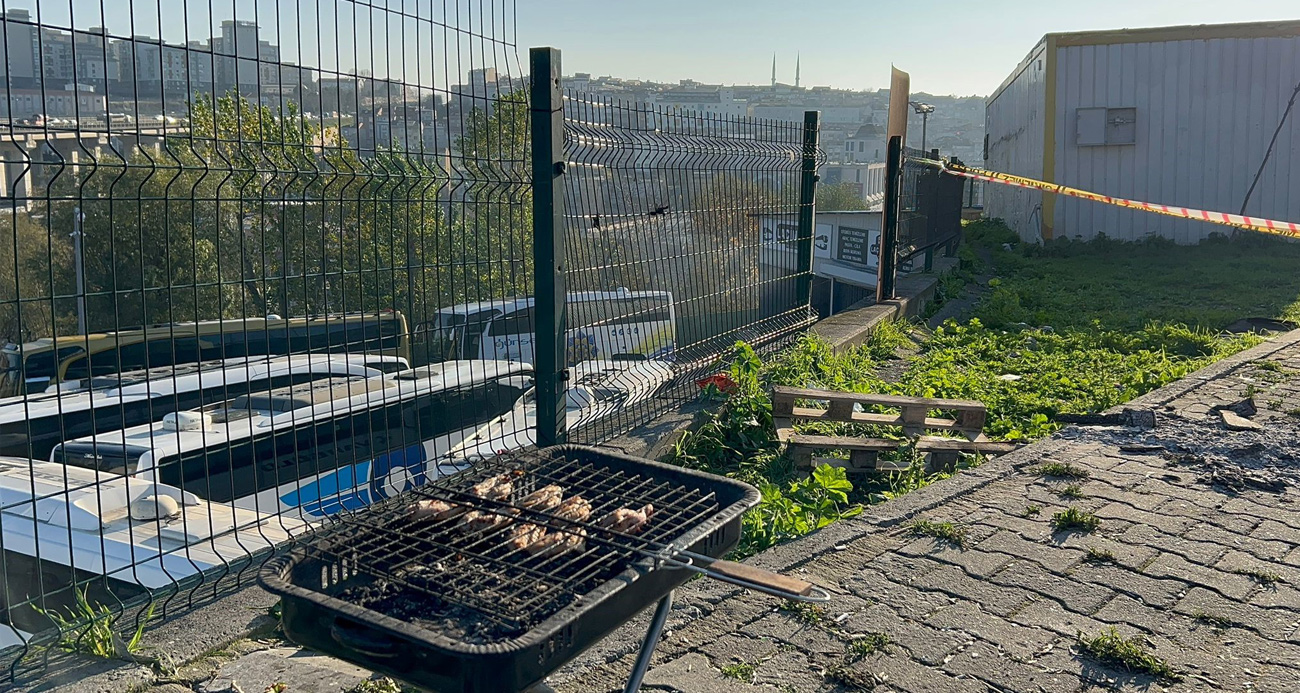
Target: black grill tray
(314,619)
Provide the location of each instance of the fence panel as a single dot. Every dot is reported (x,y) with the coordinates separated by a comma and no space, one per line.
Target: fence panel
(207,203)
(929,206)
(683,235)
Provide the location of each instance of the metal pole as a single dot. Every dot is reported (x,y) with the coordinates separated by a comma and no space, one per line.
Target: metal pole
(648,645)
(807,205)
(546,112)
(887,268)
(925,121)
(79,268)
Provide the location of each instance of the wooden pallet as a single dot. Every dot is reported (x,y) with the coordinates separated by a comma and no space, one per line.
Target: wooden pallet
(913,417)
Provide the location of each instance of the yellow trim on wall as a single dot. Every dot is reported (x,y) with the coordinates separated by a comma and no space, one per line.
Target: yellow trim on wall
(1049,139)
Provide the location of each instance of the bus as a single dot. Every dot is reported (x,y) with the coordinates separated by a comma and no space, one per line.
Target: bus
(71,533)
(36,365)
(603,325)
(317,448)
(31,426)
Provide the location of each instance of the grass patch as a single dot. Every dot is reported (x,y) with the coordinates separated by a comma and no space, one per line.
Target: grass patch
(1063,470)
(1031,510)
(1072,492)
(1214,621)
(89,628)
(1073,518)
(1130,653)
(868,644)
(945,531)
(1260,575)
(1098,556)
(811,614)
(740,671)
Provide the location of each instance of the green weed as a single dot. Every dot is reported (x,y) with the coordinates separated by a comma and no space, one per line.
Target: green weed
(1074,518)
(1072,492)
(1095,555)
(1262,576)
(946,531)
(868,644)
(1063,470)
(382,684)
(89,629)
(1130,653)
(1031,510)
(801,507)
(1214,621)
(740,671)
(810,614)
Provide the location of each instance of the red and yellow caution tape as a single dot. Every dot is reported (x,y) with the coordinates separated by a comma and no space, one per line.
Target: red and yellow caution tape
(1280,228)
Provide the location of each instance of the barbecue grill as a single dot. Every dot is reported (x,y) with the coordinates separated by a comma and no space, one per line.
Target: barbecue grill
(447,608)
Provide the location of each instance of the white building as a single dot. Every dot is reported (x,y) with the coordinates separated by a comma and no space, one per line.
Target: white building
(1173,115)
(867,145)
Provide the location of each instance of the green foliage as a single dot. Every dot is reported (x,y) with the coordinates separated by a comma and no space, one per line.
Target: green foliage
(1130,653)
(839,197)
(1074,518)
(89,628)
(946,531)
(868,644)
(1095,555)
(989,233)
(1031,510)
(379,685)
(740,671)
(1213,620)
(1072,492)
(1063,470)
(802,507)
(1260,575)
(887,337)
(811,614)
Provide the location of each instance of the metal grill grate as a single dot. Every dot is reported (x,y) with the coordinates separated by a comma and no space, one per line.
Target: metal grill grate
(469,584)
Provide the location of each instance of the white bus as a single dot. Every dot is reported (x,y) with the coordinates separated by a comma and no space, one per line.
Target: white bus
(603,325)
(317,448)
(70,531)
(31,425)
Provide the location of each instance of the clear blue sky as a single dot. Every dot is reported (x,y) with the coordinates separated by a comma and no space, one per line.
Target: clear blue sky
(949,46)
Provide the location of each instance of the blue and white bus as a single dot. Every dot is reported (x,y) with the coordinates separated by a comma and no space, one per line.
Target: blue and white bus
(602,325)
(315,448)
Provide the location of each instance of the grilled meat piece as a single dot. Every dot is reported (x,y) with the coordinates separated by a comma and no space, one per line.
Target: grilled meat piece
(437,510)
(574,509)
(627,520)
(484,521)
(543,499)
(525,535)
(556,543)
(497,488)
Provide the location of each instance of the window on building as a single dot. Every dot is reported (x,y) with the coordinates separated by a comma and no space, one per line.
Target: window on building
(1095,127)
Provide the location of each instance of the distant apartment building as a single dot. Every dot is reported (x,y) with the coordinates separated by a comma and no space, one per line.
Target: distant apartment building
(867,145)
(1181,116)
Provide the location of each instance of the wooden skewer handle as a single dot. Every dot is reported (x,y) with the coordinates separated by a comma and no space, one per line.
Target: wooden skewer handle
(758,576)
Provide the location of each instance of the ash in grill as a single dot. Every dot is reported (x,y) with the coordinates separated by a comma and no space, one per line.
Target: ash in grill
(485,556)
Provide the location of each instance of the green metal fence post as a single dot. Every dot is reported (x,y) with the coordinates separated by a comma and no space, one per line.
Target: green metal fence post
(546,113)
(807,204)
(887,268)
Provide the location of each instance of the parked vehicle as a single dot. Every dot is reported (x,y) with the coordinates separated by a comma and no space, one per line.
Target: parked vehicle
(30,426)
(316,448)
(598,390)
(603,324)
(109,538)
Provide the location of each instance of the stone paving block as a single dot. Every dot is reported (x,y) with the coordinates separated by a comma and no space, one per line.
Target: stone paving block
(790,669)
(1049,615)
(1273,624)
(1117,517)
(1240,562)
(1243,506)
(1052,557)
(925,644)
(1079,597)
(1157,592)
(1228,584)
(1128,555)
(1201,552)
(903,569)
(906,600)
(907,675)
(1018,641)
(975,562)
(303,670)
(986,663)
(693,673)
(1035,528)
(1134,498)
(738,647)
(1200,515)
(790,628)
(994,598)
(1264,548)
(1272,530)
(1277,596)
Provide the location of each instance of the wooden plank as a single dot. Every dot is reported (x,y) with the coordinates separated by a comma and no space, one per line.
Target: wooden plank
(842,442)
(860,417)
(840,410)
(932,444)
(866,398)
(782,405)
(972,420)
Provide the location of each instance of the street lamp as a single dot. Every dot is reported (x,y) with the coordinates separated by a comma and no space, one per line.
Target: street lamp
(925,110)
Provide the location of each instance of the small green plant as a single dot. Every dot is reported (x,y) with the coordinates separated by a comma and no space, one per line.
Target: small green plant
(1074,518)
(88,628)
(1063,470)
(1095,555)
(382,684)
(1072,492)
(277,687)
(1112,648)
(740,671)
(810,614)
(946,531)
(868,644)
(802,507)
(1293,412)
(1031,510)
(1214,621)
(1263,577)
(1273,366)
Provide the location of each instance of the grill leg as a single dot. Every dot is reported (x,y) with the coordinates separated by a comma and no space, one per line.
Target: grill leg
(648,645)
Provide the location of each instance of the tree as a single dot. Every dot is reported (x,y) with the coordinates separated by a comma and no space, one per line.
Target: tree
(839,197)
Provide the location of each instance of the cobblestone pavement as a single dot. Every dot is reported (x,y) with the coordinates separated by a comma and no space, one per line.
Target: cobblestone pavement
(1196,560)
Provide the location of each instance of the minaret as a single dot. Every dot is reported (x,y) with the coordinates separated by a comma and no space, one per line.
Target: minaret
(796,70)
(774,69)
